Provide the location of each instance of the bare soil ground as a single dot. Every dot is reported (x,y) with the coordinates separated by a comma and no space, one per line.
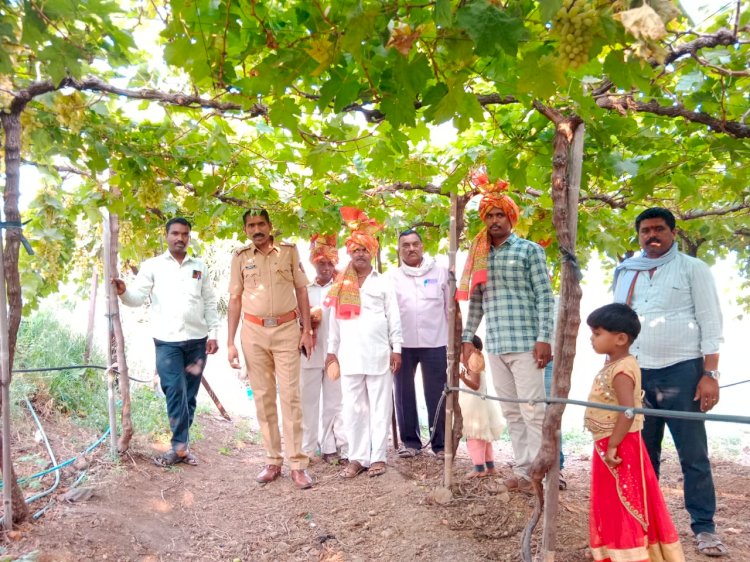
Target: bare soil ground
(216,511)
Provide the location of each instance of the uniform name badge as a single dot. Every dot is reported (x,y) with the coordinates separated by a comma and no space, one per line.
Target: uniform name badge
(250,264)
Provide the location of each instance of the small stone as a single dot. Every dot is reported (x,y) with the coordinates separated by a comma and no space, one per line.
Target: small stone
(387,533)
(372,513)
(441,495)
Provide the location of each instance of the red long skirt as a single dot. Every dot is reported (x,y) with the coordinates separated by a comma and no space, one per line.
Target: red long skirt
(628,519)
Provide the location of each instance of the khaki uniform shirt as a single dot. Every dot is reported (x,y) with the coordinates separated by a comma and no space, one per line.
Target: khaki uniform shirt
(267,282)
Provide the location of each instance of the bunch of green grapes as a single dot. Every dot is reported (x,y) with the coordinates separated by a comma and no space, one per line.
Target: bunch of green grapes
(575,25)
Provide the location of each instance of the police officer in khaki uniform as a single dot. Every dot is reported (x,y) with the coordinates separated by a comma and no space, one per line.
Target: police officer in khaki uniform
(268,290)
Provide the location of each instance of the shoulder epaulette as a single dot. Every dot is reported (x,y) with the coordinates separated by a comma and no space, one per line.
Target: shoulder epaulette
(288,244)
(241,249)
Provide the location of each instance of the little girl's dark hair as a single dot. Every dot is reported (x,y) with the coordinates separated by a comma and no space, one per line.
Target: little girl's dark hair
(477,342)
(616,317)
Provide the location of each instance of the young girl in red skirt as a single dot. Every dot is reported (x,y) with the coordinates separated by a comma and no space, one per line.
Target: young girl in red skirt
(628,519)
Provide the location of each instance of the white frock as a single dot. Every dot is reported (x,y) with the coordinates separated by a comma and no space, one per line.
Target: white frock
(482,417)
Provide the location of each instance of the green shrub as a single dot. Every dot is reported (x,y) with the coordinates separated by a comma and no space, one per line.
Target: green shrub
(81,394)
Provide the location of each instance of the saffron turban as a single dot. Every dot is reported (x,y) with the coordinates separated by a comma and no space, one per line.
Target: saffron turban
(323,247)
(363,230)
(344,293)
(475,270)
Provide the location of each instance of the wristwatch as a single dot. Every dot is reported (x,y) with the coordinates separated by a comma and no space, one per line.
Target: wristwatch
(713,374)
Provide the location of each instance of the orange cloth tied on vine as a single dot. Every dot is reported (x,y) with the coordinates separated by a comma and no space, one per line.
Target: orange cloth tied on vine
(344,294)
(475,270)
(323,247)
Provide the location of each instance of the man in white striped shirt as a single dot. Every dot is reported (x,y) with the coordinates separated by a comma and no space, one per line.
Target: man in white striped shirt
(678,350)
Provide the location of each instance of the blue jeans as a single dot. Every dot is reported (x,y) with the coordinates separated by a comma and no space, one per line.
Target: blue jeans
(180,366)
(434,362)
(673,388)
(548,388)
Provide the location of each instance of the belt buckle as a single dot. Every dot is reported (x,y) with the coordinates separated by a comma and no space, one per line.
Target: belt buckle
(270,322)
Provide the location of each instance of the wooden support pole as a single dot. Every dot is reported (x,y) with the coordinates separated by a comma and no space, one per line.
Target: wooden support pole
(451,399)
(109,292)
(5,396)
(552,492)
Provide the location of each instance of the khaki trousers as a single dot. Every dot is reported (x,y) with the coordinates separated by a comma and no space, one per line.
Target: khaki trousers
(272,358)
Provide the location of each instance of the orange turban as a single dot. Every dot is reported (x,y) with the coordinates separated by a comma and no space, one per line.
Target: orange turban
(475,270)
(344,294)
(323,247)
(363,230)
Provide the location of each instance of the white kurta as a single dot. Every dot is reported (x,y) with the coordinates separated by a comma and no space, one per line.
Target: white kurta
(322,422)
(363,346)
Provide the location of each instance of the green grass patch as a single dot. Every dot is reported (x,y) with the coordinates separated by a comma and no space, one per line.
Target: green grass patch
(79,394)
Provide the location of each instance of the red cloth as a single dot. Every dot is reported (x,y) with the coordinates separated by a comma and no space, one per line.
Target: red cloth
(628,519)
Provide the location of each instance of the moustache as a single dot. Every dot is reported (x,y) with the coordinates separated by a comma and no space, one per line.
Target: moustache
(258,235)
(651,240)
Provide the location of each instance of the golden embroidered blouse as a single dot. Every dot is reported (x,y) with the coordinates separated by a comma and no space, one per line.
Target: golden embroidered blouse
(601,422)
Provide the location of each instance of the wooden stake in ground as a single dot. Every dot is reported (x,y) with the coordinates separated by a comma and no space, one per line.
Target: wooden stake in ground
(111,299)
(123,444)
(565,213)
(5,399)
(92,316)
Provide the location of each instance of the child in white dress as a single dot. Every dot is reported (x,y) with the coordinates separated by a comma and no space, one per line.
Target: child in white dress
(482,420)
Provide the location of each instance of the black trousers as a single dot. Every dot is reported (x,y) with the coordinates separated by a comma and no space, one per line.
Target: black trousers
(434,363)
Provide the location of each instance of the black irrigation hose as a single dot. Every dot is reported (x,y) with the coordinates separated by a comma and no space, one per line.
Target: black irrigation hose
(70,367)
(629,412)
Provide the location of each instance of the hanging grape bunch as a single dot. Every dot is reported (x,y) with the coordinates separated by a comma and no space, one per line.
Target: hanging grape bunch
(575,25)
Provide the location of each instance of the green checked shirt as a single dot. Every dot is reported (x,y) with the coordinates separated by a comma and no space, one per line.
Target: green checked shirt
(517,299)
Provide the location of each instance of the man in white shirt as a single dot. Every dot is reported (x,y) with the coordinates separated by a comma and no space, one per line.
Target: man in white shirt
(678,351)
(365,339)
(423,297)
(322,424)
(184,325)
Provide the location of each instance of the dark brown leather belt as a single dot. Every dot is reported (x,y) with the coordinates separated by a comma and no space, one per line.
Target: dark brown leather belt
(271,321)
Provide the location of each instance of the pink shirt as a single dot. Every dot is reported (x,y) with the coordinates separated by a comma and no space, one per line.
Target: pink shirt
(423,304)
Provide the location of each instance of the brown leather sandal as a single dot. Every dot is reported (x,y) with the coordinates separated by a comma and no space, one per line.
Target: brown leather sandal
(352,470)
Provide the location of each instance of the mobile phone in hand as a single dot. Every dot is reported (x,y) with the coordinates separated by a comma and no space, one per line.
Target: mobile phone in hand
(303,351)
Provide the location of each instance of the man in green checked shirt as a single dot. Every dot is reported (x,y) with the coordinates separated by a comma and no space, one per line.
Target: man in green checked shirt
(507,282)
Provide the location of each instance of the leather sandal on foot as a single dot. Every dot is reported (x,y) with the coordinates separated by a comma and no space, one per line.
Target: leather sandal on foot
(408,452)
(190,459)
(352,470)
(376,469)
(709,544)
(170,458)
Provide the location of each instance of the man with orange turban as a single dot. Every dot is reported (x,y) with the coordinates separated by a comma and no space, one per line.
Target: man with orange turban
(507,281)
(321,396)
(365,339)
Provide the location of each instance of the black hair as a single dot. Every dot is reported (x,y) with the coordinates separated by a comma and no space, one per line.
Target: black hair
(256,213)
(656,213)
(477,342)
(177,220)
(616,317)
(409,232)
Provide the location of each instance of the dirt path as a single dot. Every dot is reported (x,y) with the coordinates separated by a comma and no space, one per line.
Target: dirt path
(216,511)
